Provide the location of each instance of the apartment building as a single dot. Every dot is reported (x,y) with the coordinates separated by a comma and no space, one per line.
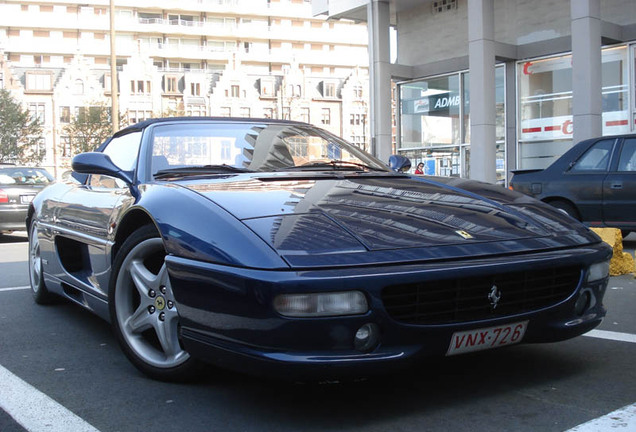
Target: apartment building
(239,58)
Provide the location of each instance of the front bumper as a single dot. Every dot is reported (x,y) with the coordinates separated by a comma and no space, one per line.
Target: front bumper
(228,319)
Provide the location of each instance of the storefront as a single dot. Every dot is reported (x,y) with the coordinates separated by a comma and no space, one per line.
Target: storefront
(434,113)
(434,123)
(545,104)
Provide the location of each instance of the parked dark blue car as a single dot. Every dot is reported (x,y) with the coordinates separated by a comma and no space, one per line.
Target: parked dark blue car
(277,248)
(594,182)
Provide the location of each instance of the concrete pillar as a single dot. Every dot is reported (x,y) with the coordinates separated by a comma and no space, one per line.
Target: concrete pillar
(511,118)
(481,57)
(380,78)
(586,69)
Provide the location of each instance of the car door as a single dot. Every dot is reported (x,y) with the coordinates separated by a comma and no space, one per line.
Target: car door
(86,220)
(583,181)
(619,188)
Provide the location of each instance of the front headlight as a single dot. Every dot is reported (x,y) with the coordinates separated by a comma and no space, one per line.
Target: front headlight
(598,271)
(321,304)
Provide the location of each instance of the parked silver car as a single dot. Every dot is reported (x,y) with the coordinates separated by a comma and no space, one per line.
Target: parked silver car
(18,186)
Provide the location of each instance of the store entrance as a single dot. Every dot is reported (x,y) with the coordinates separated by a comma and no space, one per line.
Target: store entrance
(445,161)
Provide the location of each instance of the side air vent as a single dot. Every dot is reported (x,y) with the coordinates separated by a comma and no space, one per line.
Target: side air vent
(73,255)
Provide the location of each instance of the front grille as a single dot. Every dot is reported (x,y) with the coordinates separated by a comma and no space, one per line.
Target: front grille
(471,299)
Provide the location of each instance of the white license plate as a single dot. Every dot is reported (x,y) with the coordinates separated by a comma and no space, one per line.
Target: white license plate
(26,199)
(486,338)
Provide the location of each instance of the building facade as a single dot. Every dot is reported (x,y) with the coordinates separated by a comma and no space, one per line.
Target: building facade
(488,86)
(239,58)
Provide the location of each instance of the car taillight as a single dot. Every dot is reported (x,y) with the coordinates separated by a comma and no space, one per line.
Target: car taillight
(4,197)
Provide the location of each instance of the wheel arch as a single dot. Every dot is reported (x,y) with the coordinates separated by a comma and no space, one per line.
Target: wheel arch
(131,222)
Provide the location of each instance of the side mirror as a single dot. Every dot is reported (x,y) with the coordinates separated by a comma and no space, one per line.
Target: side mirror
(399,163)
(99,163)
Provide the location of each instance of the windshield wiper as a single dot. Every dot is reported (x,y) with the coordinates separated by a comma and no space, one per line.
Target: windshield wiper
(335,164)
(198,170)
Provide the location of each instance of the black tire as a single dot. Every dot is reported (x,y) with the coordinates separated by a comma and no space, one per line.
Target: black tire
(143,311)
(41,294)
(566,208)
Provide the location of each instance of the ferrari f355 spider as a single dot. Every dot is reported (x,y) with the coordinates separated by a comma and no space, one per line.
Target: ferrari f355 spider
(277,248)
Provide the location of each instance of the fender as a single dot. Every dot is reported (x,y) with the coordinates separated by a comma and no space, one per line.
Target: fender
(195,227)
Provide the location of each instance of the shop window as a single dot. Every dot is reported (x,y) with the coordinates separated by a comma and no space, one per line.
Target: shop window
(545,105)
(430,112)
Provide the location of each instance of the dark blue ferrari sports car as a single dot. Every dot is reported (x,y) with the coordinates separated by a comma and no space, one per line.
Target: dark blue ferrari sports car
(277,248)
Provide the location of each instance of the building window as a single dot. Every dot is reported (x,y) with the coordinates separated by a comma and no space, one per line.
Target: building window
(195,89)
(171,84)
(140,87)
(267,87)
(245,112)
(226,150)
(36,111)
(304,115)
(65,114)
(39,81)
(41,148)
(78,87)
(268,113)
(298,147)
(329,90)
(326,116)
(66,146)
(226,112)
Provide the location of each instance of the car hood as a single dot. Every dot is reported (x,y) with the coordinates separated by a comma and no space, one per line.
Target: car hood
(334,220)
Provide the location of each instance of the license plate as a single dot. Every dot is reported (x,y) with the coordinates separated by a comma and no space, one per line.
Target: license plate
(486,338)
(26,199)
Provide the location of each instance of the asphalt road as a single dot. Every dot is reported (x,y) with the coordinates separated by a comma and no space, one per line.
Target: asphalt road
(70,355)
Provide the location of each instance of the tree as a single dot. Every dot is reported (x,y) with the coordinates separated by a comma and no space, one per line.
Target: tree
(20,135)
(89,128)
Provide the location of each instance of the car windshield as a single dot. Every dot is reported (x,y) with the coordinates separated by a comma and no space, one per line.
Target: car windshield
(250,147)
(24,176)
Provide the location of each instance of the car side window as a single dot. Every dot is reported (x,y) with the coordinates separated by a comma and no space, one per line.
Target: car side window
(596,158)
(627,161)
(123,151)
